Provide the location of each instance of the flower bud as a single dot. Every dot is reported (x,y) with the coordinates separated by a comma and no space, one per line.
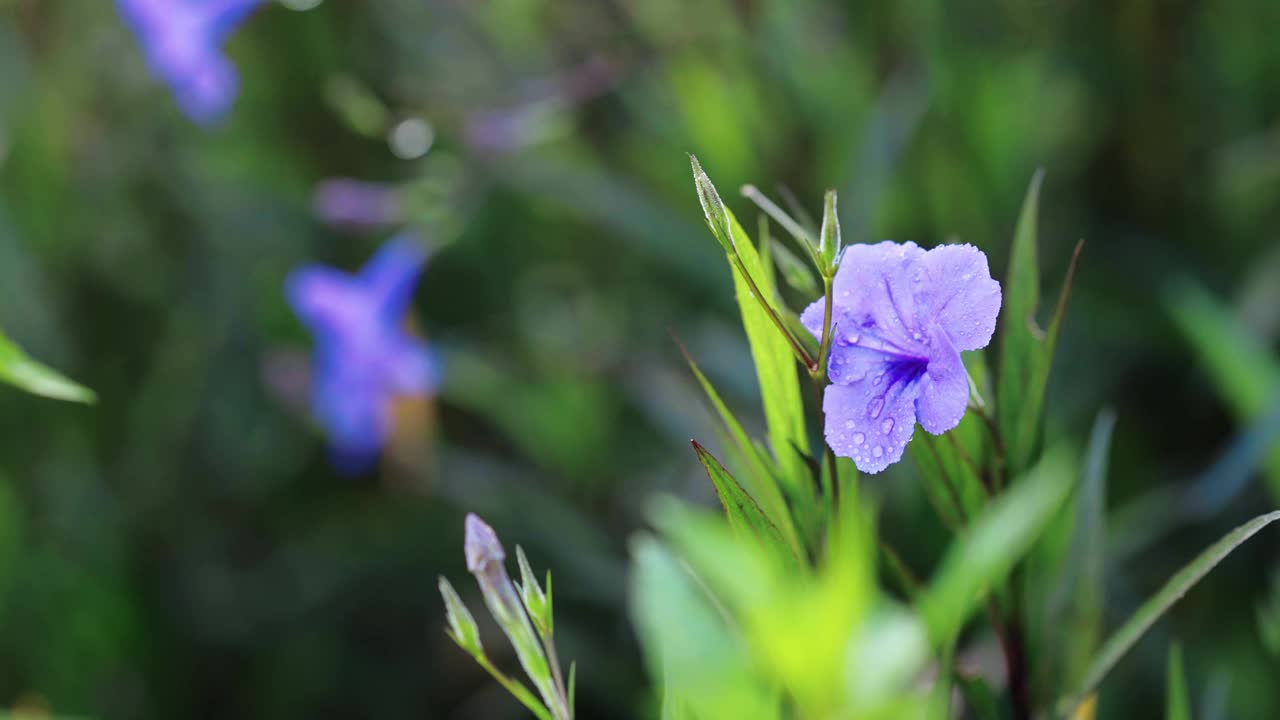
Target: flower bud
(830,245)
(462,625)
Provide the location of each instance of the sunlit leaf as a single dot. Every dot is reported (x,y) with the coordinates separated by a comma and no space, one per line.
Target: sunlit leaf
(18,369)
(1153,609)
(774,359)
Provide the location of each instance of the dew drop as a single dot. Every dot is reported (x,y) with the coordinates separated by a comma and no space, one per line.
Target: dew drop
(848,424)
(877,451)
(877,379)
(858,438)
(875,407)
(916,336)
(887,426)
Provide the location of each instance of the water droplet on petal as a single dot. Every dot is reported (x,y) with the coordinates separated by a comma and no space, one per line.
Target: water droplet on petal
(848,424)
(858,438)
(877,379)
(877,451)
(887,426)
(875,407)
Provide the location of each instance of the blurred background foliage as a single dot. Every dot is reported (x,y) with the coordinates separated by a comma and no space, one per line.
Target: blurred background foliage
(182,548)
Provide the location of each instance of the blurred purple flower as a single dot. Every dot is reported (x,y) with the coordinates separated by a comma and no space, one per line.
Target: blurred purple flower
(901,317)
(363,358)
(346,202)
(182,41)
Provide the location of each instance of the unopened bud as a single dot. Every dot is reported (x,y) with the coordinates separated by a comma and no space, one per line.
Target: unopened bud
(462,625)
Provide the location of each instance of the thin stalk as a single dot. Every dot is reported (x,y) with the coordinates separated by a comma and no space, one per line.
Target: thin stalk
(752,193)
(554,660)
(801,354)
(517,690)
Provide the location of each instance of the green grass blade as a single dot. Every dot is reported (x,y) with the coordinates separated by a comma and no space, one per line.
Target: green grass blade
(761,480)
(770,342)
(1083,583)
(1178,698)
(996,541)
(20,370)
(1153,609)
(745,515)
(1243,369)
(1020,336)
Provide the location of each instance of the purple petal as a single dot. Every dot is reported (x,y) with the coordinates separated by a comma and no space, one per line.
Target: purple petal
(872,419)
(391,275)
(206,92)
(877,286)
(412,369)
(324,298)
(963,299)
(944,390)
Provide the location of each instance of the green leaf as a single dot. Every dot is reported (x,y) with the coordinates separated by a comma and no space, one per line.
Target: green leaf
(1177,699)
(1026,351)
(1243,369)
(771,350)
(690,644)
(762,481)
(745,516)
(983,558)
(1083,580)
(18,369)
(982,701)
(1153,609)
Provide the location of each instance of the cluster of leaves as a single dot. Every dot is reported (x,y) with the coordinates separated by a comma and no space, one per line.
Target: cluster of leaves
(776,610)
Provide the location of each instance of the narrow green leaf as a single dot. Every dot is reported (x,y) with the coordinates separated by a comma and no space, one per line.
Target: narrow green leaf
(20,370)
(996,541)
(1020,336)
(762,480)
(745,515)
(1177,698)
(771,348)
(1239,364)
(1081,588)
(573,688)
(1153,609)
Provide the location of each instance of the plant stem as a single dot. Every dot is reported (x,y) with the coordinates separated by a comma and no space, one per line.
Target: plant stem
(801,354)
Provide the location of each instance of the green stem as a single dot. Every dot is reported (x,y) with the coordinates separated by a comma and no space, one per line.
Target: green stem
(517,690)
(801,354)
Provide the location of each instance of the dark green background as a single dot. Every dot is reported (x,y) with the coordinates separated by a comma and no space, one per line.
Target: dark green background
(182,549)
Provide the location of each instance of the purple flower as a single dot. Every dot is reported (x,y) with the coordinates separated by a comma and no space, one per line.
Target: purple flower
(182,41)
(901,317)
(346,202)
(363,359)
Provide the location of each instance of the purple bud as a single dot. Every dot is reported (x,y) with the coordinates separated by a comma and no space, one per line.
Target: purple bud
(345,202)
(482,546)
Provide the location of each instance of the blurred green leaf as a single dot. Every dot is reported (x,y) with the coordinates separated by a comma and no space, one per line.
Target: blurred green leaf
(982,701)
(1082,584)
(18,369)
(996,541)
(1245,372)
(1153,609)
(762,482)
(1177,698)
(745,516)
(705,664)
